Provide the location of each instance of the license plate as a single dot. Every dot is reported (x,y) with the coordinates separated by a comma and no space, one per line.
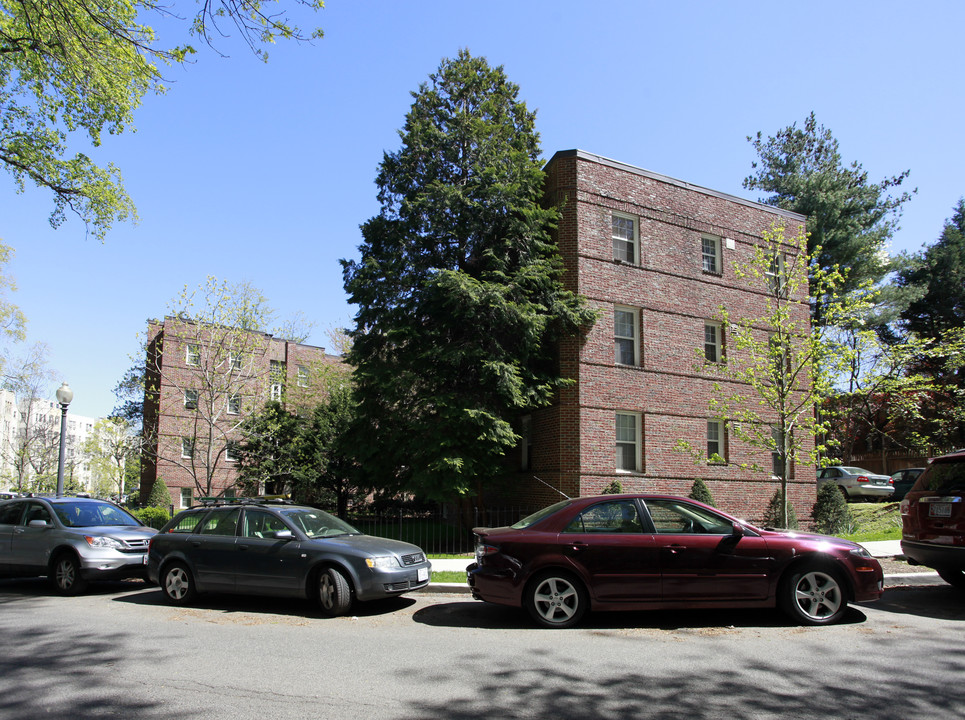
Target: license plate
(423,574)
(144,559)
(939,509)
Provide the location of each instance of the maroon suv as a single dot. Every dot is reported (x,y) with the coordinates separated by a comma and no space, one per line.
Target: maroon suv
(631,552)
(933,519)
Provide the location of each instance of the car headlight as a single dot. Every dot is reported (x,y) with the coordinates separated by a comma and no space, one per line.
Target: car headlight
(860,552)
(382,563)
(103,542)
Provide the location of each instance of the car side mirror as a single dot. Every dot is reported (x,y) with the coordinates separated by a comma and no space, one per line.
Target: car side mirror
(38,524)
(284,535)
(737,530)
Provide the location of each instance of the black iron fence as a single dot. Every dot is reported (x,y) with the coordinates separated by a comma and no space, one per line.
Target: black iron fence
(439,531)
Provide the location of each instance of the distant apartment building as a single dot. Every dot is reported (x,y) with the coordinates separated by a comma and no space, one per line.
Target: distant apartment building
(202,380)
(30,445)
(655,256)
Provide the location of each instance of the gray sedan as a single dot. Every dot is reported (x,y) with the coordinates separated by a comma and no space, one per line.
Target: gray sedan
(71,540)
(856,482)
(281,550)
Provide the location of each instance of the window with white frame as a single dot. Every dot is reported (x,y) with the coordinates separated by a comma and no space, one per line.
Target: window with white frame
(628,442)
(234,404)
(187,448)
(190,399)
(301,377)
(192,354)
(775,274)
(277,379)
(625,336)
(716,452)
(187,495)
(713,345)
(625,238)
(234,359)
(230,451)
(710,252)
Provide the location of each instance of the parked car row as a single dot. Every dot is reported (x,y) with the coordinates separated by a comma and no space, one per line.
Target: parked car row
(857,483)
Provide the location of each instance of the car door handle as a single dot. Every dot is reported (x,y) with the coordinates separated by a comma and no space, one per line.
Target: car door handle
(579,546)
(242,547)
(674,548)
(196,543)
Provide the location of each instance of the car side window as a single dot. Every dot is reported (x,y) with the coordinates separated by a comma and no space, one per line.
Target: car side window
(261,524)
(615,516)
(679,518)
(221,522)
(36,511)
(10,514)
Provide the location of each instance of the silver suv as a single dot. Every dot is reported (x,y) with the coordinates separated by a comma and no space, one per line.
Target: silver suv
(71,540)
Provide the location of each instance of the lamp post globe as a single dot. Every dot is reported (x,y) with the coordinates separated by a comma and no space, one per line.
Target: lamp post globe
(64,396)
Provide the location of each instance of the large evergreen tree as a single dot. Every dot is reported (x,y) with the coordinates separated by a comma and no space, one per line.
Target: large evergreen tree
(458,287)
(849,218)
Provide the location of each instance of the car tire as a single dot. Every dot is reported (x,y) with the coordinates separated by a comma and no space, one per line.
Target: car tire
(65,575)
(556,599)
(334,592)
(955,578)
(844,491)
(813,595)
(177,584)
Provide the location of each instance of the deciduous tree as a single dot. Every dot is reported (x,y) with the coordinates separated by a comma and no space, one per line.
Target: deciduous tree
(459,287)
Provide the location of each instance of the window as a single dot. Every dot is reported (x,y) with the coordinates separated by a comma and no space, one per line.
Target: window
(678,517)
(187,447)
(234,360)
(234,404)
(710,251)
(186,497)
(277,379)
(775,274)
(625,336)
(230,451)
(302,377)
(190,399)
(628,451)
(261,524)
(220,522)
(614,516)
(715,442)
(192,355)
(625,239)
(777,461)
(713,347)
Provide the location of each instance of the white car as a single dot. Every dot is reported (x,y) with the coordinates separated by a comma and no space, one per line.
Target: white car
(857,482)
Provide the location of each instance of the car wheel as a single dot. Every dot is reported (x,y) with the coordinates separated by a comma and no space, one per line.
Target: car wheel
(953,577)
(844,491)
(66,576)
(334,592)
(177,584)
(556,599)
(814,595)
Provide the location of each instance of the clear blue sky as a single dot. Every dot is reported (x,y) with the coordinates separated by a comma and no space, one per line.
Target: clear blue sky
(263,172)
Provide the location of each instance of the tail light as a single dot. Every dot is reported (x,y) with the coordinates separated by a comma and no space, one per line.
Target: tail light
(861,478)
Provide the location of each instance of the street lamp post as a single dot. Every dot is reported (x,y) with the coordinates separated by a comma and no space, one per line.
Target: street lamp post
(64,396)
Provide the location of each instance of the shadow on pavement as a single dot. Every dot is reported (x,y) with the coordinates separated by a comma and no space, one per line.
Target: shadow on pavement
(942,601)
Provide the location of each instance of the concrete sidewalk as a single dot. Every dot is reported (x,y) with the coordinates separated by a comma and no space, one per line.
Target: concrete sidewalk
(880,549)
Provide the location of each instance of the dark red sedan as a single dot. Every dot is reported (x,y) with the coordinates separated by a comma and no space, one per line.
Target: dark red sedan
(633,552)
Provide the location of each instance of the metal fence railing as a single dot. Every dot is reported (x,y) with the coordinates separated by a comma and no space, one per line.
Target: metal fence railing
(441,531)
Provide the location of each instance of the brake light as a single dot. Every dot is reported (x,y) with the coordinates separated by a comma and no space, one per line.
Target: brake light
(862,478)
(905,507)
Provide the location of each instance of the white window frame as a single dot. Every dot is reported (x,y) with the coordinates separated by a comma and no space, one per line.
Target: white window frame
(717,343)
(230,452)
(301,376)
(716,436)
(634,338)
(634,242)
(234,360)
(187,448)
(622,441)
(186,494)
(233,404)
(192,354)
(190,399)
(775,274)
(714,243)
(277,391)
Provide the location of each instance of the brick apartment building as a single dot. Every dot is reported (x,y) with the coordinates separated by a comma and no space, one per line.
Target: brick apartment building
(202,380)
(655,255)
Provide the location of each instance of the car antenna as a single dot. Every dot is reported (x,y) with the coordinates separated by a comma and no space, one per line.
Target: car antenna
(553,488)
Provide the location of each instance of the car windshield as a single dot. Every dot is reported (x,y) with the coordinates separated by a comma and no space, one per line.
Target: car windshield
(539,515)
(318,523)
(90,514)
(944,478)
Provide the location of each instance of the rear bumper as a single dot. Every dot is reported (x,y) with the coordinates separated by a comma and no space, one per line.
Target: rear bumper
(939,557)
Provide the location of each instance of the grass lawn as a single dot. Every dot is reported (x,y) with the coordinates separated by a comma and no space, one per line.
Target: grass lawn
(449,576)
(875,521)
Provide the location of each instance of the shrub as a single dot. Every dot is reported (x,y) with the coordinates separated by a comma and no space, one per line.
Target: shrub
(159,497)
(701,493)
(774,517)
(830,512)
(614,488)
(154,517)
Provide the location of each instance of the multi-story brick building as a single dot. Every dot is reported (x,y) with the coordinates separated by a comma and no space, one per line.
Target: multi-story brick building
(655,256)
(201,381)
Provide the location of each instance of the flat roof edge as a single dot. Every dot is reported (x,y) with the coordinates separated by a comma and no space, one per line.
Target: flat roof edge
(616,164)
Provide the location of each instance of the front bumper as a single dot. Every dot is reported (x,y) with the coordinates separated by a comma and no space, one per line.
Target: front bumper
(113,565)
(375,583)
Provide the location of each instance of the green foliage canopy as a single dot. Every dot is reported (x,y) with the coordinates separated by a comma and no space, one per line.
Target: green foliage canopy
(83,66)
(459,287)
